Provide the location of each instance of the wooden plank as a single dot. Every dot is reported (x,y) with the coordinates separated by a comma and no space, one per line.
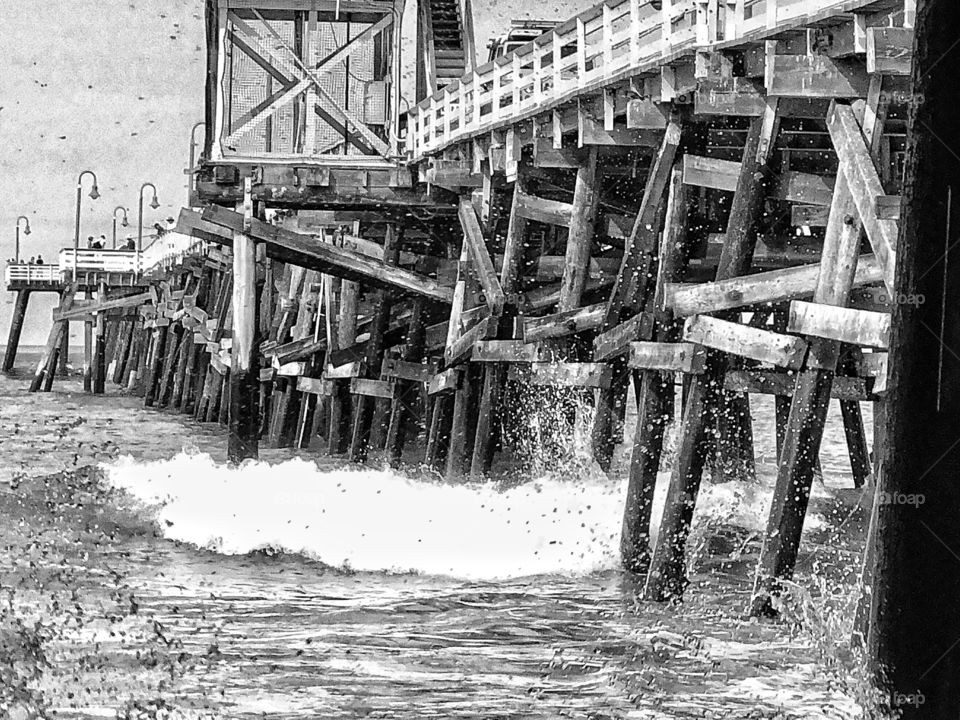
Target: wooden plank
(412,371)
(856,327)
(562,374)
(291,369)
(875,365)
(745,341)
(804,188)
(444,382)
(684,300)
(563,324)
(303,250)
(710,172)
(343,372)
(860,173)
(371,388)
(315,386)
(483,264)
(667,356)
(739,96)
(889,50)
(814,76)
(459,350)
(508,351)
(888,207)
(646,114)
(551,212)
(773,382)
(616,341)
(85,308)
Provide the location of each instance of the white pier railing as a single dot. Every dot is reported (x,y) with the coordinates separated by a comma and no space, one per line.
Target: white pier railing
(607,44)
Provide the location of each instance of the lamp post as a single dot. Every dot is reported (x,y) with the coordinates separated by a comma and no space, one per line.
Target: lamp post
(191,179)
(154,204)
(94,194)
(26,231)
(125,223)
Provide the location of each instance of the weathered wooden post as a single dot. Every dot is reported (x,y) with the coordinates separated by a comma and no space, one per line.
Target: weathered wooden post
(16,327)
(916,619)
(100,349)
(666,578)
(87,348)
(656,392)
(243,440)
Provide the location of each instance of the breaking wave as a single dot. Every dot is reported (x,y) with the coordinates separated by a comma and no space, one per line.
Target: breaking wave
(369,520)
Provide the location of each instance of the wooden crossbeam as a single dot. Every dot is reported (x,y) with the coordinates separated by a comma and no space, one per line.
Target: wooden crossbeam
(861,175)
(444,382)
(78,309)
(792,186)
(616,341)
(668,357)
(889,50)
(773,382)
(486,273)
(552,212)
(412,371)
(343,372)
(564,323)
(773,286)
(508,351)
(856,327)
(305,251)
(745,341)
(371,388)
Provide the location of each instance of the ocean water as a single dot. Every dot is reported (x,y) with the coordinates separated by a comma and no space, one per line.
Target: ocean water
(143,578)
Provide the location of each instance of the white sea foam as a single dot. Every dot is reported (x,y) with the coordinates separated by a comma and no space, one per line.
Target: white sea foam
(377,520)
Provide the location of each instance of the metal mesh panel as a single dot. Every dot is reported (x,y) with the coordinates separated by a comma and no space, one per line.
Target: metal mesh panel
(346,84)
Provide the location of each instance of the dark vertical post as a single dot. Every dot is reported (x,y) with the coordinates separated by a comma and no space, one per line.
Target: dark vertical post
(916,620)
(243,440)
(363,405)
(16,327)
(656,393)
(100,349)
(666,578)
(87,349)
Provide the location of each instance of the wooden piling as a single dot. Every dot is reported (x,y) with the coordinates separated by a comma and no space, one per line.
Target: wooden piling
(243,438)
(666,578)
(100,347)
(16,327)
(655,407)
(87,348)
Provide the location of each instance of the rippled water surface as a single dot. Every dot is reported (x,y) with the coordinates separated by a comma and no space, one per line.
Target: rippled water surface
(141,582)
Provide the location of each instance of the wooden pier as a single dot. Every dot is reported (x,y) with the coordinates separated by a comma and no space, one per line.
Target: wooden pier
(696,196)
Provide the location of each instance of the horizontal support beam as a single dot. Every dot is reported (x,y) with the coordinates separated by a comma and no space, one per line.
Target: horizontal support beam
(772,382)
(509,351)
(745,341)
(684,300)
(305,251)
(551,212)
(403,370)
(371,388)
(564,323)
(444,382)
(856,327)
(80,308)
(667,357)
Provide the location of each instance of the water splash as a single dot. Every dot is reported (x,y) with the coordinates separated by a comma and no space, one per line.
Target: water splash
(373,520)
(380,521)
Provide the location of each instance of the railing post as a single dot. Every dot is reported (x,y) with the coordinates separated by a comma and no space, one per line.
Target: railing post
(495,92)
(557,75)
(477,102)
(515,91)
(606,38)
(634,32)
(666,26)
(772,13)
(581,53)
